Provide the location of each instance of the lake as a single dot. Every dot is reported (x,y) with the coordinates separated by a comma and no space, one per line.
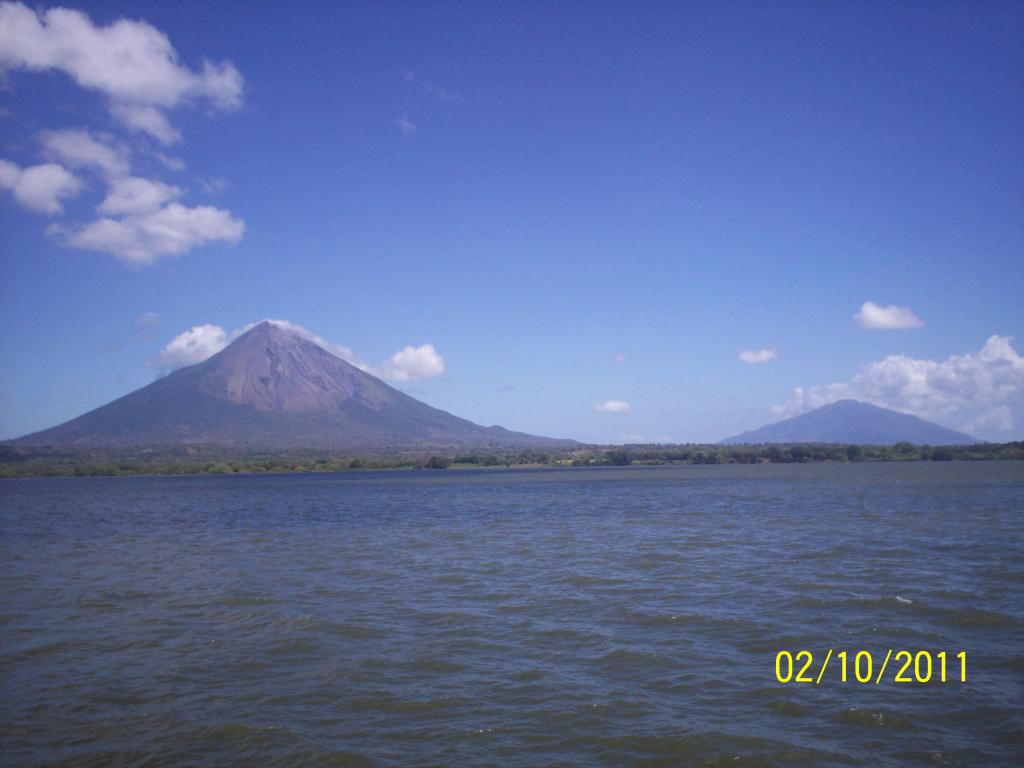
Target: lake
(584,617)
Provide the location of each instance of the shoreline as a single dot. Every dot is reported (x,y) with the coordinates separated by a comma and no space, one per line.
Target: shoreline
(26,463)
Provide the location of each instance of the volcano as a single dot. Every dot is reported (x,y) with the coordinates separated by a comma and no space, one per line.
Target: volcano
(273,388)
(851,421)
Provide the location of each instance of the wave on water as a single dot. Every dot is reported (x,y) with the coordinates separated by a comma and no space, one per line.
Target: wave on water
(518,620)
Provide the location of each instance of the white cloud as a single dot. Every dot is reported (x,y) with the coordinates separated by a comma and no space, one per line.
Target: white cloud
(622,358)
(976,391)
(203,341)
(755,356)
(141,239)
(80,149)
(132,63)
(406,126)
(141,117)
(613,406)
(136,69)
(888,318)
(141,220)
(193,346)
(134,195)
(40,187)
(413,364)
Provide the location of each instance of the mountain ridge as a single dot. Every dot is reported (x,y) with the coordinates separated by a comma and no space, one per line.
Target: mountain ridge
(852,421)
(274,388)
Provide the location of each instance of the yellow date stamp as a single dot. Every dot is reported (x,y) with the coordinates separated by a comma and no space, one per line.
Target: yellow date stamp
(896,666)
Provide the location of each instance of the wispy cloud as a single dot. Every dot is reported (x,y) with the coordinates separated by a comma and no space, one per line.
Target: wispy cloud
(406,126)
(613,406)
(874,317)
(622,358)
(431,88)
(78,148)
(148,119)
(214,185)
(442,94)
(973,391)
(170,162)
(757,356)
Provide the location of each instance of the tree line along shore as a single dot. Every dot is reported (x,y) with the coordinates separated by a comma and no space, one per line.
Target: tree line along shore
(24,462)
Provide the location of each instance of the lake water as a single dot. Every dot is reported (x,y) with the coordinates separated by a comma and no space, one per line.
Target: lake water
(603,617)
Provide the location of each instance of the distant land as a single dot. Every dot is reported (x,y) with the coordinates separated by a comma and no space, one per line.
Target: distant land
(273,389)
(273,400)
(854,422)
(481,447)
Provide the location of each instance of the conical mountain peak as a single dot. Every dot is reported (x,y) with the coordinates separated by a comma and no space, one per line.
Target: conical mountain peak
(851,421)
(273,332)
(272,367)
(275,387)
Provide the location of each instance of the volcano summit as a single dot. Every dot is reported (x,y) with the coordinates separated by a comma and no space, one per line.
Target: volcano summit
(273,388)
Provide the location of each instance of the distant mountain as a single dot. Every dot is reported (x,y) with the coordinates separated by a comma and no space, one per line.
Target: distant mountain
(272,388)
(850,421)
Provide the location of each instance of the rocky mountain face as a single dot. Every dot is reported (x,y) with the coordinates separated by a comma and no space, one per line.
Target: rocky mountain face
(272,388)
(851,421)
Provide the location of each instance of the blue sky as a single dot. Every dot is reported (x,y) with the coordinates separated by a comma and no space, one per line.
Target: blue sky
(588,211)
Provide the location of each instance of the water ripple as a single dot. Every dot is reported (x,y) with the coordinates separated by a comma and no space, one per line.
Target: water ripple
(604,617)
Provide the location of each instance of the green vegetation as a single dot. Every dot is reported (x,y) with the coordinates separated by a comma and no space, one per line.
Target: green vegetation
(19,462)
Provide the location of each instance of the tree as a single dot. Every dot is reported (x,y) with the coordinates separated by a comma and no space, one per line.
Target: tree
(618,457)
